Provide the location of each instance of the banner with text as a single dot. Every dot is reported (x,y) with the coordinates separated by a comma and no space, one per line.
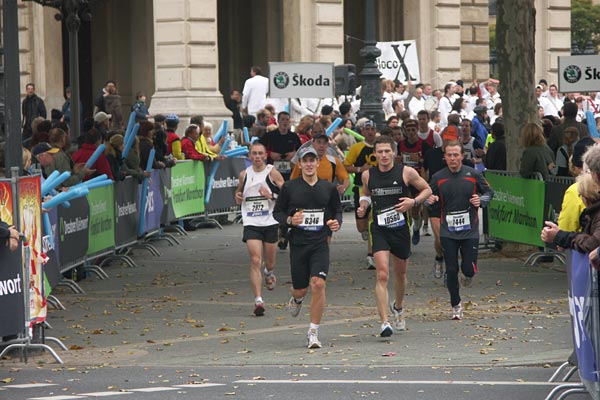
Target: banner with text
(102,220)
(226,180)
(12,302)
(154,203)
(301,79)
(52,268)
(73,227)
(399,61)
(30,213)
(578,73)
(126,211)
(187,188)
(516,213)
(581,308)
(168,214)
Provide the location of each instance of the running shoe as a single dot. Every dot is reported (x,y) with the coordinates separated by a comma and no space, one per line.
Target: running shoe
(282,243)
(294,307)
(416,237)
(466,281)
(364,235)
(426,230)
(259,308)
(457,312)
(313,340)
(370,262)
(438,267)
(399,322)
(386,329)
(270,280)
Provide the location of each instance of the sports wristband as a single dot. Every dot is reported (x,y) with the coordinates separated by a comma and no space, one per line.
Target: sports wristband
(416,202)
(365,198)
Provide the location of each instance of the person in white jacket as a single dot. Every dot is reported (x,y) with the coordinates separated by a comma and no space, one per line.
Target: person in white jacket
(255,91)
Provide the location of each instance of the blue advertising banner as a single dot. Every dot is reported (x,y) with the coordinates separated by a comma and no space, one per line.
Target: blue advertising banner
(52,267)
(581,319)
(154,203)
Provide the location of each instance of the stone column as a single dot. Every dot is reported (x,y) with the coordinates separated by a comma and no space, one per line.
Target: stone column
(475,40)
(435,25)
(187,61)
(552,37)
(40,46)
(314,30)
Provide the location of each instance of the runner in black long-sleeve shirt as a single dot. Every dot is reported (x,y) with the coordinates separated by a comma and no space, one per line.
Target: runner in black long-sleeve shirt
(461,190)
(311,207)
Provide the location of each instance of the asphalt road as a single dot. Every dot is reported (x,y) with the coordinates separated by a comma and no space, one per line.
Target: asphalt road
(185,318)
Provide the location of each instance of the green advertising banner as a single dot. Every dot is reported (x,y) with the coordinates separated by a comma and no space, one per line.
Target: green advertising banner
(102,219)
(516,212)
(187,188)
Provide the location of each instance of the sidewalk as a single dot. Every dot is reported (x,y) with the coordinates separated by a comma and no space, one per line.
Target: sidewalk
(193,305)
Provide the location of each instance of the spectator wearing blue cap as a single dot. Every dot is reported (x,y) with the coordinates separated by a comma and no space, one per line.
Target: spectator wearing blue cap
(173,139)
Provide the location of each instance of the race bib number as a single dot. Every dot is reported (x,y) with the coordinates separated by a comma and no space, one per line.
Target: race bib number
(406,160)
(257,206)
(390,218)
(458,222)
(283,166)
(312,220)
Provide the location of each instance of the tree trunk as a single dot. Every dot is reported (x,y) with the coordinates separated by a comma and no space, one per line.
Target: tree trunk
(515,35)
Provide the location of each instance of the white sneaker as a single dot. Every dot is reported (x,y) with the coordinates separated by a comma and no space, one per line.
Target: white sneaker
(370,262)
(294,307)
(270,279)
(386,330)
(399,322)
(457,312)
(313,340)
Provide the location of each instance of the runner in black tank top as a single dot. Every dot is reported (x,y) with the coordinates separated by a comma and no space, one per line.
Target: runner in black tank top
(386,187)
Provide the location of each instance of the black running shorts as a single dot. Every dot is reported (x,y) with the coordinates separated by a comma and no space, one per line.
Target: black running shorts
(308,260)
(266,234)
(396,241)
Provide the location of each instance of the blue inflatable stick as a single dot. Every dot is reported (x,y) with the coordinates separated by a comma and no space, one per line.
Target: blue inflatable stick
(92,160)
(591,123)
(246,135)
(131,140)
(333,126)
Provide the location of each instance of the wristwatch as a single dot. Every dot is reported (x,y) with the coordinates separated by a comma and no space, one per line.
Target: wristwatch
(289,221)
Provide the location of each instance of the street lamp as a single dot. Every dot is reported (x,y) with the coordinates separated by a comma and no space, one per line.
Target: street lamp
(370,92)
(72,12)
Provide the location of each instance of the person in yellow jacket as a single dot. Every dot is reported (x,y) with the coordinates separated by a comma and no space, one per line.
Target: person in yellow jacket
(572,205)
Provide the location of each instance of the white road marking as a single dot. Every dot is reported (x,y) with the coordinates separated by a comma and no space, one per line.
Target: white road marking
(407,382)
(57,398)
(102,394)
(152,389)
(199,385)
(29,385)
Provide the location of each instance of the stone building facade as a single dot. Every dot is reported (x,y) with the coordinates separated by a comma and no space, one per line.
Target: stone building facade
(187,54)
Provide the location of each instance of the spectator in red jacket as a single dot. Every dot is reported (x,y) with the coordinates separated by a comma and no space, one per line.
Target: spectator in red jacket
(188,144)
(92,140)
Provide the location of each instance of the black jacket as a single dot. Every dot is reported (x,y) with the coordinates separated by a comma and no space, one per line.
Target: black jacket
(495,158)
(31,108)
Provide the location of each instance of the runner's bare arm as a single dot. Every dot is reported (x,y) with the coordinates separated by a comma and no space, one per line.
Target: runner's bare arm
(240,188)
